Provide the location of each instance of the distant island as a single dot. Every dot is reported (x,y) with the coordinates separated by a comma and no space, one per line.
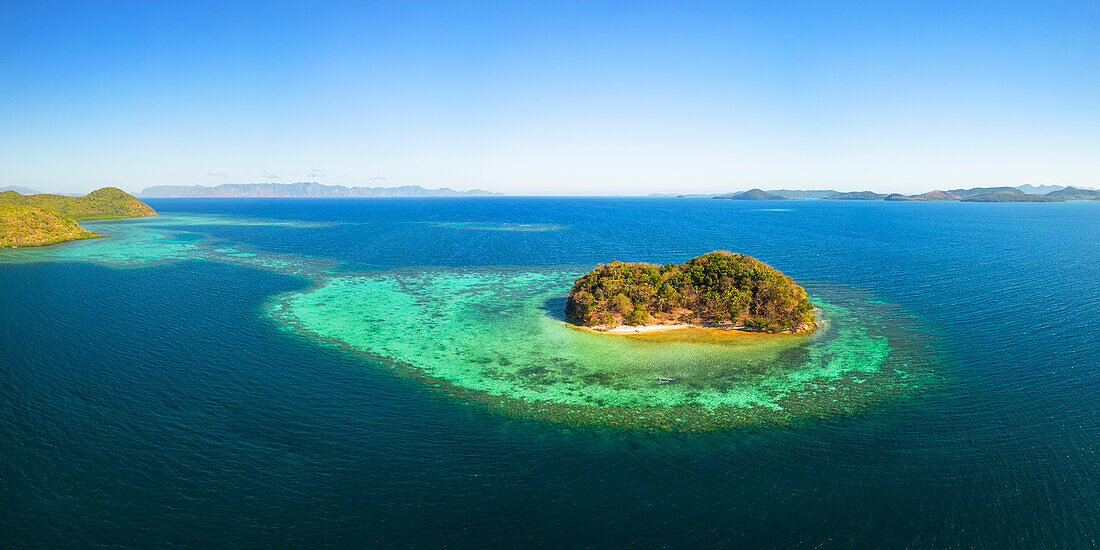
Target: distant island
(929,196)
(42,219)
(752,195)
(301,189)
(975,194)
(1023,193)
(1005,196)
(717,289)
(1074,194)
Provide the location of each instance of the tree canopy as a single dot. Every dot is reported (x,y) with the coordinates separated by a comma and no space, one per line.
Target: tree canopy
(41,219)
(717,288)
(101,204)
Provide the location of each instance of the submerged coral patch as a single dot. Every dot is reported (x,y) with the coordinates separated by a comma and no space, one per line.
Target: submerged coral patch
(170,237)
(486,335)
(496,336)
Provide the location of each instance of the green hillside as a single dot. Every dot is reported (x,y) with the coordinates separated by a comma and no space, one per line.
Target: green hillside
(1074,194)
(101,204)
(22,225)
(35,220)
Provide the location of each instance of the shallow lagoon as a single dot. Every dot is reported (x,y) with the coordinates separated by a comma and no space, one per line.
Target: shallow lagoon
(494,335)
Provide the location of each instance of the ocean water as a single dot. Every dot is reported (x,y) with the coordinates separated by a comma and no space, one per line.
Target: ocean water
(395,372)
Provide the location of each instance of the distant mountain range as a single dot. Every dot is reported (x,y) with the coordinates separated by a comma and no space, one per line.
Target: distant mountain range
(20,190)
(302,189)
(1023,193)
(1039,189)
(979,194)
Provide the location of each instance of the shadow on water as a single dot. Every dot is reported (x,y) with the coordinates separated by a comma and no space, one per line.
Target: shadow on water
(555,307)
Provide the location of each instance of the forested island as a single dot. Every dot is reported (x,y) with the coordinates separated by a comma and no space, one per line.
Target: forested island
(720,288)
(41,219)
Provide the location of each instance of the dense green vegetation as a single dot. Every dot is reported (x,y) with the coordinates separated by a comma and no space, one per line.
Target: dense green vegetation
(22,225)
(101,204)
(717,288)
(35,220)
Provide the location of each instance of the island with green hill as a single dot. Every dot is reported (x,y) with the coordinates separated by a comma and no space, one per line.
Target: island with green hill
(42,219)
(718,289)
(1020,193)
(752,195)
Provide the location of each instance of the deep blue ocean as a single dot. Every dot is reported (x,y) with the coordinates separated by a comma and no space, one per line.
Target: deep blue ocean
(160,406)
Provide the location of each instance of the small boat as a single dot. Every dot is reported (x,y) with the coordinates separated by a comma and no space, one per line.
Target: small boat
(663,379)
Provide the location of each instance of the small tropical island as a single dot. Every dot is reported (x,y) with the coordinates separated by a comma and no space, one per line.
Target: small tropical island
(43,219)
(718,289)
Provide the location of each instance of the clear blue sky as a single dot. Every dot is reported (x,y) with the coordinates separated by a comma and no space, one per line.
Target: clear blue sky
(551,98)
